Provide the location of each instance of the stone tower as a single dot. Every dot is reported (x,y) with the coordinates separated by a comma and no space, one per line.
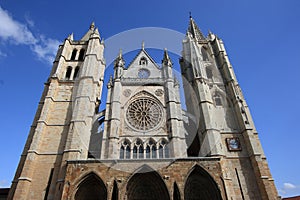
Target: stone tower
(62,124)
(143,145)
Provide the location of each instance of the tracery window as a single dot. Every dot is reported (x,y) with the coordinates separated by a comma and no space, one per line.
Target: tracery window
(141,150)
(163,150)
(144,114)
(151,149)
(125,150)
(138,149)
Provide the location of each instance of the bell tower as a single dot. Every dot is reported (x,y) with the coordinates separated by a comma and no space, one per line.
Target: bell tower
(61,127)
(224,127)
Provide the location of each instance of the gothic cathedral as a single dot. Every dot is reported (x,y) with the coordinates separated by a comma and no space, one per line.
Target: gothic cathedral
(143,145)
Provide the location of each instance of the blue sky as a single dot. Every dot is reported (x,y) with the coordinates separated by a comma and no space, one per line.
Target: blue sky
(261,38)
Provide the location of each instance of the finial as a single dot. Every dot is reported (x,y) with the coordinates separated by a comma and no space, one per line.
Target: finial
(190,14)
(166,55)
(110,82)
(143,45)
(96,31)
(166,60)
(92,26)
(120,53)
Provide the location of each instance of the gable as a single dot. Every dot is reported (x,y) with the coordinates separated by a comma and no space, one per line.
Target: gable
(142,66)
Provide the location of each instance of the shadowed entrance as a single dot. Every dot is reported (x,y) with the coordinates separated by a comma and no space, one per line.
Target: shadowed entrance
(201,186)
(147,184)
(91,188)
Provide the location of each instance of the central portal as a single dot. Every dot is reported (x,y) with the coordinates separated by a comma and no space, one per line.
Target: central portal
(147,186)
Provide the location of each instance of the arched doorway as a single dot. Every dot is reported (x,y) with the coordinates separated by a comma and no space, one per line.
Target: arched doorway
(91,188)
(146,184)
(201,186)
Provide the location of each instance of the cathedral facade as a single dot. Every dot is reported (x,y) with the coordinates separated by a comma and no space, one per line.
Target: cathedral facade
(143,145)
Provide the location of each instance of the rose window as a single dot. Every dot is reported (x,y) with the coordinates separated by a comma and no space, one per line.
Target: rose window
(144,114)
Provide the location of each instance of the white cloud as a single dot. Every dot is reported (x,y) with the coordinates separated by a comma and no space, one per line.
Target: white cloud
(18,33)
(14,31)
(46,49)
(29,21)
(288,186)
(289,190)
(4,184)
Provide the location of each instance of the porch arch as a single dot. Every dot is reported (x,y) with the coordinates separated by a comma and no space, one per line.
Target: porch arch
(201,186)
(91,188)
(146,184)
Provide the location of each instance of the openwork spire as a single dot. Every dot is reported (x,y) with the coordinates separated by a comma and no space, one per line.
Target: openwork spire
(194,30)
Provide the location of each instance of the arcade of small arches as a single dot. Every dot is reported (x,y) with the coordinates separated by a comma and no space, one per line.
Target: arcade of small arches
(148,184)
(140,150)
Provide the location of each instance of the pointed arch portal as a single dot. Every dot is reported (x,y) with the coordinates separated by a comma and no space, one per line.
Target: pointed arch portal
(146,185)
(201,186)
(91,188)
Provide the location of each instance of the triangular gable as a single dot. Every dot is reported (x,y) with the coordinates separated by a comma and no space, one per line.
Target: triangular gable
(142,61)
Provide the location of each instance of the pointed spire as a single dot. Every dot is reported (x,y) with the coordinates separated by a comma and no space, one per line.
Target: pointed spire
(194,30)
(166,60)
(95,34)
(92,26)
(91,32)
(96,31)
(120,53)
(71,37)
(110,82)
(143,45)
(119,61)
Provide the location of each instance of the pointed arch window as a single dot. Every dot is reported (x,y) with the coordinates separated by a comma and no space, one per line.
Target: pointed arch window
(74,53)
(68,73)
(125,151)
(76,72)
(143,61)
(141,152)
(122,152)
(81,54)
(138,149)
(148,151)
(163,150)
(134,152)
(151,149)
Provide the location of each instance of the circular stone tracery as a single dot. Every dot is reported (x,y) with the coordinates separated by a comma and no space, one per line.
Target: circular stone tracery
(144,114)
